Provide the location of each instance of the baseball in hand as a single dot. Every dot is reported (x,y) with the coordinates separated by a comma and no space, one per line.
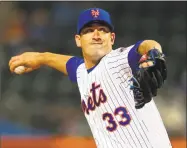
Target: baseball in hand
(19,69)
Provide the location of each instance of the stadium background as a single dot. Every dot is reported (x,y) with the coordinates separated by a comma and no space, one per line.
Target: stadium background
(42,109)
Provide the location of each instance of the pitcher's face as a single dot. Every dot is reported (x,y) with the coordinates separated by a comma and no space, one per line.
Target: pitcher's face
(96,41)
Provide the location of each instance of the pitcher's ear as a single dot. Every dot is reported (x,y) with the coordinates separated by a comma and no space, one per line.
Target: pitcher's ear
(77,40)
(113,36)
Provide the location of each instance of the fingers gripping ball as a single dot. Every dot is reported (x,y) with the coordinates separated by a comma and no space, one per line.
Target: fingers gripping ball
(20,69)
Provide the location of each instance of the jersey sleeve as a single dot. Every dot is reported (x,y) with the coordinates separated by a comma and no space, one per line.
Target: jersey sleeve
(72,66)
(134,57)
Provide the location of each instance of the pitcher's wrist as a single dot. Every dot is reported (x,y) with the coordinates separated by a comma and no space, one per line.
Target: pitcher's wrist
(42,58)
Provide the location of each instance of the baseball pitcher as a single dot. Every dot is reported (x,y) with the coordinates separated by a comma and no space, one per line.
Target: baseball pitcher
(116,86)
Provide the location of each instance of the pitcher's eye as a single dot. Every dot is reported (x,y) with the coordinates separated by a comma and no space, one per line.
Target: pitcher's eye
(103,29)
(87,30)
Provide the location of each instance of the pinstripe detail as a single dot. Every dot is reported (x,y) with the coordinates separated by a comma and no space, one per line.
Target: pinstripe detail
(111,110)
(117,55)
(95,122)
(127,107)
(120,70)
(118,65)
(132,109)
(138,121)
(131,105)
(123,133)
(112,62)
(99,114)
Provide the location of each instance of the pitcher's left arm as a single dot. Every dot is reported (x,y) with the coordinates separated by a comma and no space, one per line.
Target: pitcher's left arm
(151,74)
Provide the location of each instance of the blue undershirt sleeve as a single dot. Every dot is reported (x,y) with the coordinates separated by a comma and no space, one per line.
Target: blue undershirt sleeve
(134,57)
(72,66)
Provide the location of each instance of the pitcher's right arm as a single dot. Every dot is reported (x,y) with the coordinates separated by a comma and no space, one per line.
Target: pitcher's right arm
(34,60)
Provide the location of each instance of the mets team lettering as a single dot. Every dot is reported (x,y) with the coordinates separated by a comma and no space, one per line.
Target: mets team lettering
(95,101)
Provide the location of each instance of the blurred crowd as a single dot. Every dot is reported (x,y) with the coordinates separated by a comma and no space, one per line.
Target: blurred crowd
(45,99)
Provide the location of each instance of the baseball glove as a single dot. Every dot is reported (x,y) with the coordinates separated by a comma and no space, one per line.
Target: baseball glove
(147,81)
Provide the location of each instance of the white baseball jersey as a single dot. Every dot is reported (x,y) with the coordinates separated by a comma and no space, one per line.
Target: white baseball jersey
(109,106)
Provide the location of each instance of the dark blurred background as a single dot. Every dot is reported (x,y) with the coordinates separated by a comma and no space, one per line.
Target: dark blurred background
(45,101)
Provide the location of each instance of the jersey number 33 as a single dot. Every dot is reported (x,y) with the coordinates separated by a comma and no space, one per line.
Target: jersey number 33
(120,117)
